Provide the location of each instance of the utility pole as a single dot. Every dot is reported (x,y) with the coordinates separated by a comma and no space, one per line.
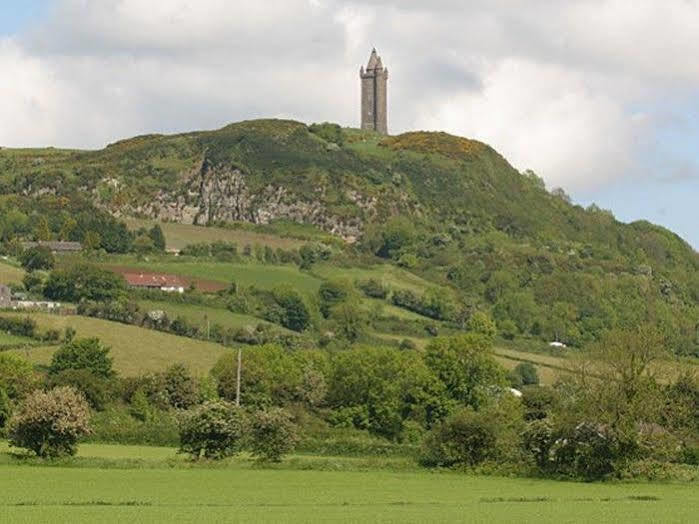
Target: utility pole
(237,383)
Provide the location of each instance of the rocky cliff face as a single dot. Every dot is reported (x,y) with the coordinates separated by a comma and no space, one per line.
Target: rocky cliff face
(212,193)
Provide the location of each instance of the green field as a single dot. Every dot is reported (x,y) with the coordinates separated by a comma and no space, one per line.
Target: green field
(239,491)
(389,275)
(10,274)
(178,236)
(260,275)
(9,340)
(135,350)
(200,314)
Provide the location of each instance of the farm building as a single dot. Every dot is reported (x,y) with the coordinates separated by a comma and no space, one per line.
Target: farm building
(163,282)
(56,247)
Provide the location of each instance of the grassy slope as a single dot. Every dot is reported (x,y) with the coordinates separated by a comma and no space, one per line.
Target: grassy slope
(178,236)
(389,275)
(10,274)
(135,350)
(239,493)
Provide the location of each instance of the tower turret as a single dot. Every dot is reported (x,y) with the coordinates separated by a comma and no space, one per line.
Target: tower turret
(374,81)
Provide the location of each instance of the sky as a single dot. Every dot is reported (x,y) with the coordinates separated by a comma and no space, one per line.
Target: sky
(599,97)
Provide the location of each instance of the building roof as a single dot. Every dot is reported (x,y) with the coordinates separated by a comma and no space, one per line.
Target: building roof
(153,280)
(55,245)
(374,61)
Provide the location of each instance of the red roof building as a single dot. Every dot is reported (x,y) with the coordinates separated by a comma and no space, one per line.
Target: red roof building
(159,281)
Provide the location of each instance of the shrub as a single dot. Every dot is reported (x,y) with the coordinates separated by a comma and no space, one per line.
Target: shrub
(373,288)
(466,438)
(272,434)
(119,425)
(39,257)
(524,374)
(214,430)
(588,451)
(84,353)
(538,402)
(5,409)
(50,423)
(21,327)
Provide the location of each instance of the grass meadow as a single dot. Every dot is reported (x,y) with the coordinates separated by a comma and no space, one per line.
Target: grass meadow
(140,484)
(135,350)
(10,274)
(178,236)
(200,314)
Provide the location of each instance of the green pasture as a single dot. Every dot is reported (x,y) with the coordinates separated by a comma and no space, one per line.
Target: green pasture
(10,274)
(200,314)
(178,236)
(10,340)
(389,275)
(135,350)
(92,489)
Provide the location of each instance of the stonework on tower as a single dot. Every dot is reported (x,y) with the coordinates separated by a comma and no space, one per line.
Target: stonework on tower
(374,95)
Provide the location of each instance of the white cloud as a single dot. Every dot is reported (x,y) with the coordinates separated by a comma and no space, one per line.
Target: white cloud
(569,89)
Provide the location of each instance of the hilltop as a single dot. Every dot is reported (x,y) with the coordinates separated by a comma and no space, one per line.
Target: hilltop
(450,210)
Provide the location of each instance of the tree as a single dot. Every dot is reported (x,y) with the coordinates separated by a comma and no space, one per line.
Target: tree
(269,376)
(39,257)
(50,423)
(466,366)
(296,315)
(350,320)
(380,388)
(92,241)
(42,231)
(213,430)
(83,353)
(273,434)
(465,438)
(156,235)
(332,293)
(143,244)
(84,282)
(481,323)
(180,386)
(17,376)
(95,389)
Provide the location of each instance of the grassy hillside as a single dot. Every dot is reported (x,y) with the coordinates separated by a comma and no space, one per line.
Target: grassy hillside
(135,350)
(419,211)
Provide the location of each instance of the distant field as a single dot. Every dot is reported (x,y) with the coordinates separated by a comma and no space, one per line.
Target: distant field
(200,314)
(135,350)
(262,276)
(178,236)
(10,274)
(239,492)
(391,276)
(9,340)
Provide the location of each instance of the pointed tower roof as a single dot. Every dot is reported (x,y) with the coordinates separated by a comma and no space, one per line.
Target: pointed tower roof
(374,61)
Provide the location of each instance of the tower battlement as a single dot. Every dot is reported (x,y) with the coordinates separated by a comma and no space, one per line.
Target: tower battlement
(374,81)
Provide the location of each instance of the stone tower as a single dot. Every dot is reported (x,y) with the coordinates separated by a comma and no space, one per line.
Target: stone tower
(374,87)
